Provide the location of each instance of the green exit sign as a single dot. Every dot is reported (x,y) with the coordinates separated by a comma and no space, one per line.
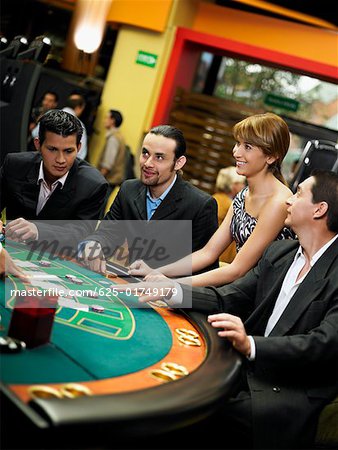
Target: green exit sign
(281,102)
(146,59)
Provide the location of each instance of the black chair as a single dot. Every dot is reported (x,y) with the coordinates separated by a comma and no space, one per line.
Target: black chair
(316,155)
(129,164)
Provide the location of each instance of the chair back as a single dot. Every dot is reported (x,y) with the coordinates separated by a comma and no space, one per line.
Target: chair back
(317,154)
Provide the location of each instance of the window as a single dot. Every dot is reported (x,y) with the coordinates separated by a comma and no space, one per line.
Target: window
(268,88)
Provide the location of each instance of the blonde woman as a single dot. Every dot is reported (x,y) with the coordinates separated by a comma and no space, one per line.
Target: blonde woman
(256,216)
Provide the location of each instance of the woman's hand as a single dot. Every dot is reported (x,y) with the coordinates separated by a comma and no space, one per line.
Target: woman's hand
(139,268)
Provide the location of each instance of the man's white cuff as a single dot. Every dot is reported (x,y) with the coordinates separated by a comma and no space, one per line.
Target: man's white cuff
(252,355)
(175,300)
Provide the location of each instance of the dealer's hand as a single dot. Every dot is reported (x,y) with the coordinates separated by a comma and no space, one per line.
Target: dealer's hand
(8,267)
(21,230)
(233,329)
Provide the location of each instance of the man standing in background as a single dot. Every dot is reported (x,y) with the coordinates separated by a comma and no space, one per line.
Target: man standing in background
(112,163)
(49,101)
(75,105)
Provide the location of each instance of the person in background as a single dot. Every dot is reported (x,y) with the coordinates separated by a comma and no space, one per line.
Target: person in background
(228,184)
(112,163)
(49,101)
(256,216)
(75,105)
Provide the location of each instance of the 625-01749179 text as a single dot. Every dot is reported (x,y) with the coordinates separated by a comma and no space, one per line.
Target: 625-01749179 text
(101,291)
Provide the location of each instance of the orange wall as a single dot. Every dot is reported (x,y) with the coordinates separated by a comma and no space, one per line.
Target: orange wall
(149,14)
(294,39)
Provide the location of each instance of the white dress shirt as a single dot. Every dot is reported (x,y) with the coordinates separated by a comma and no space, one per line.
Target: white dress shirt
(45,191)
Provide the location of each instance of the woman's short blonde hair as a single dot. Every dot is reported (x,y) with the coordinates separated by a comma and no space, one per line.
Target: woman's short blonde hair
(226,178)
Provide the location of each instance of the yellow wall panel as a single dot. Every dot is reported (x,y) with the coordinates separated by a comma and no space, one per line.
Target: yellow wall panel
(149,14)
(130,87)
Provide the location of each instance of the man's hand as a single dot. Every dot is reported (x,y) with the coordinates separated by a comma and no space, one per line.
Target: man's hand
(8,267)
(233,330)
(149,291)
(92,257)
(21,230)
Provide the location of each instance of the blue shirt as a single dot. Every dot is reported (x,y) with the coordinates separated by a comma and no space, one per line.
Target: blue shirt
(154,203)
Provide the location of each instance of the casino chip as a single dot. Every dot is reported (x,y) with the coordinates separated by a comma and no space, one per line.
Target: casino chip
(70,276)
(11,345)
(97,308)
(44,263)
(111,275)
(2,234)
(77,281)
(92,294)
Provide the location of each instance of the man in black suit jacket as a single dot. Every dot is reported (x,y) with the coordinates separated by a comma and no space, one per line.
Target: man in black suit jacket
(283,317)
(160,194)
(51,184)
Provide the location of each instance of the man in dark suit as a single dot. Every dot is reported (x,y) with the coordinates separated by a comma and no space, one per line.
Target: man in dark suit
(160,194)
(51,184)
(283,317)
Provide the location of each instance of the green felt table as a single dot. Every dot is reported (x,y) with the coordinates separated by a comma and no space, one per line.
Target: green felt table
(121,355)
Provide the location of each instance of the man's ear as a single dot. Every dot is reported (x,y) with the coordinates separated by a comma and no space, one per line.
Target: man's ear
(321,210)
(180,162)
(37,144)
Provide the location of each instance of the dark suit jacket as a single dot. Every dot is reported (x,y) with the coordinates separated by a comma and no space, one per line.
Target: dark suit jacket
(295,372)
(184,202)
(81,198)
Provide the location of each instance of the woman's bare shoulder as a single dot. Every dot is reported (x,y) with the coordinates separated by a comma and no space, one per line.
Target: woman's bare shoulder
(284,191)
(279,196)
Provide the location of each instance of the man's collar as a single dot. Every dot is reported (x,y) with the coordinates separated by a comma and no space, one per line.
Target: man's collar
(111,131)
(41,177)
(319,253)
(163,195)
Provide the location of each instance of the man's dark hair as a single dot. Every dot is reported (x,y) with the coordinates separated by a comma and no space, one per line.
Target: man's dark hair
(75,100)
(172,133)
(325,189)
(60,122)
(56,97)
(117,116)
